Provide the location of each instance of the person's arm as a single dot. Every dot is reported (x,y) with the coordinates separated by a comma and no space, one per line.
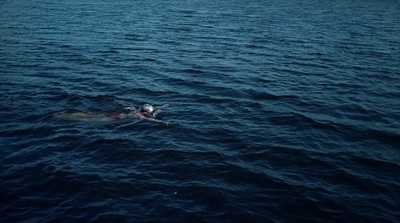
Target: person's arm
(161,106)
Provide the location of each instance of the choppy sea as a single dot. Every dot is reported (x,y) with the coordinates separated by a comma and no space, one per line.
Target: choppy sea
(280,111)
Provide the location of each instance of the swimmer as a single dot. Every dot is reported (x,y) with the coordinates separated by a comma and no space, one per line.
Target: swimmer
(147,112)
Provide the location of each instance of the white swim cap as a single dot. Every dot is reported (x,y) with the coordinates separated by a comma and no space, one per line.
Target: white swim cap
(147,108)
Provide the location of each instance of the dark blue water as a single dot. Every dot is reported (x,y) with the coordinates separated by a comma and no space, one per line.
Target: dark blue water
(280,111)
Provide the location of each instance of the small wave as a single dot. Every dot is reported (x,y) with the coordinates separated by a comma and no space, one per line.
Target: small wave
(302,121)
(259,95)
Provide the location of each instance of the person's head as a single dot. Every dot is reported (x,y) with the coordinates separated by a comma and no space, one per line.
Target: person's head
(147,108)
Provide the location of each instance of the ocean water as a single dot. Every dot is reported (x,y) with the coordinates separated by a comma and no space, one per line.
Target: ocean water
(280,111)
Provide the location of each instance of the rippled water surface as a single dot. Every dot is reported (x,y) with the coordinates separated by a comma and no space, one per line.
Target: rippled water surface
(280,111)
